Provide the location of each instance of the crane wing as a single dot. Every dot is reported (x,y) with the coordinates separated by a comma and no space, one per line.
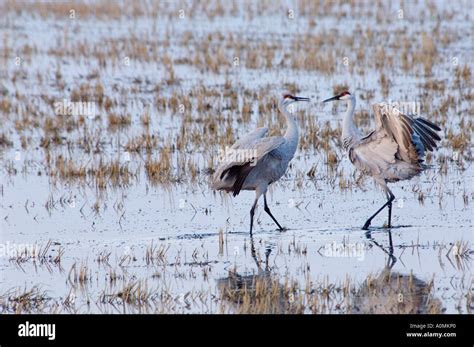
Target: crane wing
(373,153)
(413,135)
(244,159)
(249,138)
(397,137)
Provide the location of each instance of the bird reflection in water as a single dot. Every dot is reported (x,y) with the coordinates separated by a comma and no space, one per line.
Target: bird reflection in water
(261,292)
(392,292)
(388,292)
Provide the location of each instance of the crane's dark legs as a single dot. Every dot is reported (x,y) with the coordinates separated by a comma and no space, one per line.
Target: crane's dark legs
(252,212)
(267,209)
(390,211)
(391,197)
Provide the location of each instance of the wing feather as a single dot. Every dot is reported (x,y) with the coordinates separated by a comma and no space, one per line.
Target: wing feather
(425,138)
(429,124)
(407,132)
(231,175)
(250,137)
(395,149)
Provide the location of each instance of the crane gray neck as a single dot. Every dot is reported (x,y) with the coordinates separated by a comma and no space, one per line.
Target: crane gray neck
(350,133)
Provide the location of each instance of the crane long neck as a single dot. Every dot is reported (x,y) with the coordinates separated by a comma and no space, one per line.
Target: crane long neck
(350,133)
(292,133)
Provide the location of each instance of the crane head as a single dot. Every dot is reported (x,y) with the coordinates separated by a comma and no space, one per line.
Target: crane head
(342,96)
(289,99)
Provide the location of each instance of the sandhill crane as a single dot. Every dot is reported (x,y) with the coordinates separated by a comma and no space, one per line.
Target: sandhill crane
(258,161)
(394,151)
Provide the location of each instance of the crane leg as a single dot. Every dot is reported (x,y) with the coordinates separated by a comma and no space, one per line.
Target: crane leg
(390,214)
(391,197)
(252,213)
(267,209)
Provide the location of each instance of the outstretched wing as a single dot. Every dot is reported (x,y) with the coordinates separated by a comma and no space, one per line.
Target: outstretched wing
(397,137)
(237,166)
(413,135)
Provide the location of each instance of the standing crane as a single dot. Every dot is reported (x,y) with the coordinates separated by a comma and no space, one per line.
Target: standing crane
(267,162)
(393,152)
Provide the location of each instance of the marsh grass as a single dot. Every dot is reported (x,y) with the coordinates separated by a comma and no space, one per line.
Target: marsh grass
(18,300)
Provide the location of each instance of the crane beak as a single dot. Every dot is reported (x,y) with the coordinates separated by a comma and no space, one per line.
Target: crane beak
(334,98)
(300,98)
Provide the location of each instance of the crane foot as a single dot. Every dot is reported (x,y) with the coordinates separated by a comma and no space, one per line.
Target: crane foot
(366,225)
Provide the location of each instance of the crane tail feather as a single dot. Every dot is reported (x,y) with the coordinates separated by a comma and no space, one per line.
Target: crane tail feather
(241,173)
